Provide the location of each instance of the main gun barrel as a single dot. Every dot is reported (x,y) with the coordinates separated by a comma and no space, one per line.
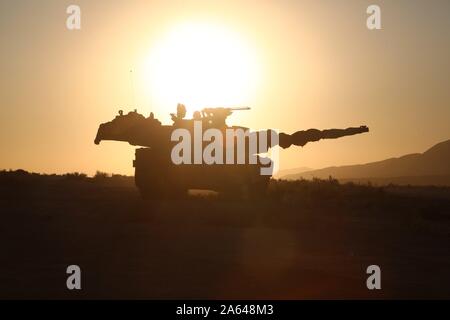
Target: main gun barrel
(300,138)
(239,108)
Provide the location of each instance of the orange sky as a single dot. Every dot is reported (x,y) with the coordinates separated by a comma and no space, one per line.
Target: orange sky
(298,64)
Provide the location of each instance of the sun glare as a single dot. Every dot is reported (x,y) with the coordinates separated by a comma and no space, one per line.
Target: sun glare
(201,65)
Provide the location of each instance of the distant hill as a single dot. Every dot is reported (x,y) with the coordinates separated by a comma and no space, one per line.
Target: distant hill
(429,168)
(286,172)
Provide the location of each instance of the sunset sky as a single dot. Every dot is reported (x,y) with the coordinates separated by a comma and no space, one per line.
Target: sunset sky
(297,64)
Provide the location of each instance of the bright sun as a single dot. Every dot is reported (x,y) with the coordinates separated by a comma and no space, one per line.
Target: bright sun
(201,65)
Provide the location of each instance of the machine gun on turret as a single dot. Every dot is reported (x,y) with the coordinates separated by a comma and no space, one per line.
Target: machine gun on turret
(217,116)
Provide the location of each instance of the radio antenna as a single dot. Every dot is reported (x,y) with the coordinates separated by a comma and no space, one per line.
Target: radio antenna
(132,88)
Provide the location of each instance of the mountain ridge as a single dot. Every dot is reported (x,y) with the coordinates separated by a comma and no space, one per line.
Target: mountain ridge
(434,162)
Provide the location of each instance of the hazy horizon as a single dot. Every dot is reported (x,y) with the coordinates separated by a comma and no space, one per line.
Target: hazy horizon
(298,64)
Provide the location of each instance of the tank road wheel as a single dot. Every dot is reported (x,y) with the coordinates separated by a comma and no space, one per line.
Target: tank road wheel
(151,185)
(154,194)
(157,187)
(151,189)
(158,194)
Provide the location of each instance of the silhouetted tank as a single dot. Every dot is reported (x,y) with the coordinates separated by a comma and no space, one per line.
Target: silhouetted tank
(158,175)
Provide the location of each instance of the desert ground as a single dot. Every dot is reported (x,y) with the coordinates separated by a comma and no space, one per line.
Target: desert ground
(304,239)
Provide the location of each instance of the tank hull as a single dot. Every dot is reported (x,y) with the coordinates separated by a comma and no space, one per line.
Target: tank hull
(157,177)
